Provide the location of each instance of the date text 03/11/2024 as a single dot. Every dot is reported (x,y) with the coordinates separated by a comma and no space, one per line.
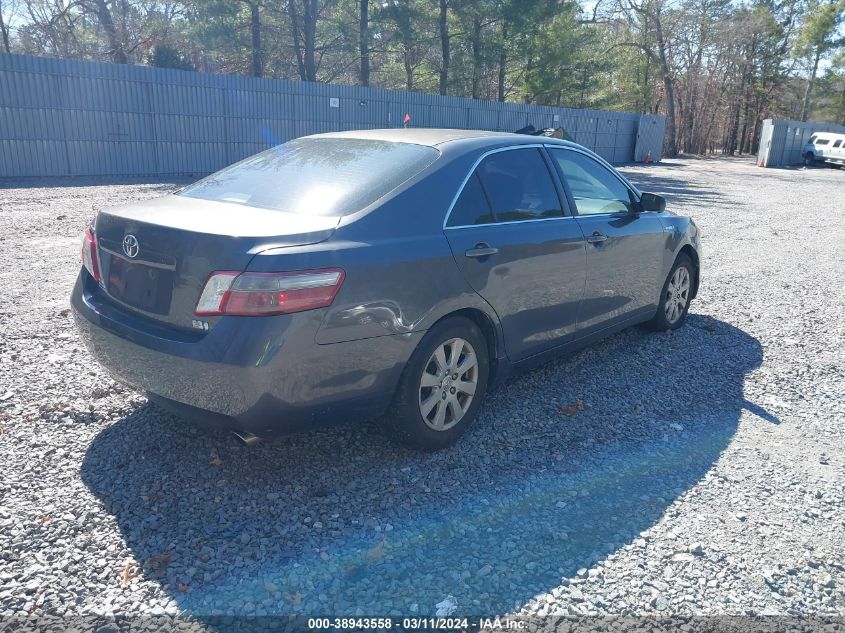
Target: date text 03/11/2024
(418,623)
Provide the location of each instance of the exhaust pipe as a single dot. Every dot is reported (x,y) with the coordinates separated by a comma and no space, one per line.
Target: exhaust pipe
(246,438)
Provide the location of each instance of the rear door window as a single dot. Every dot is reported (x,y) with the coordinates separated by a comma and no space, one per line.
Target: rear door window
(471,206)
(595,188)
(519,186)
(837,143)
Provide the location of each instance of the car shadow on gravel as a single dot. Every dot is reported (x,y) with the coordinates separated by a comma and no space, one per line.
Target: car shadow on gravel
(566,465)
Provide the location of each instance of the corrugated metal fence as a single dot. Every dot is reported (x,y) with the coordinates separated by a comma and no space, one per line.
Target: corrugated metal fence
(781,141)
(62,117)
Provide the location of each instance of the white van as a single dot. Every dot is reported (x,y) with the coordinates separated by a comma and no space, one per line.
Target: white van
(825,147)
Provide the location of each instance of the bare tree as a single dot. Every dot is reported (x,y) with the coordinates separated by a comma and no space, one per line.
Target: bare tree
(305,38)
(445,51)
(294,17)
(648,17)
(116,39)
(503,62)
(4,31)
(404,18)
(304,25)
(364,41)
(51,27)
(477,56)
(255,33)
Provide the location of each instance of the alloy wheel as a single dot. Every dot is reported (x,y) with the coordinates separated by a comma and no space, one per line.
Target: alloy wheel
(677,294)
(448,384)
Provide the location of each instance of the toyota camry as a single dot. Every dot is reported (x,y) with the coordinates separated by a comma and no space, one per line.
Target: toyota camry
(390,274)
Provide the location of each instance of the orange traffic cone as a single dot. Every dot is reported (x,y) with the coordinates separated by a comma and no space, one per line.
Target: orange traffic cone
(647,159)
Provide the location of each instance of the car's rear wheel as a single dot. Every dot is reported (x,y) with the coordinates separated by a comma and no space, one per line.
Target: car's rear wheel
(675,297)
(441,387)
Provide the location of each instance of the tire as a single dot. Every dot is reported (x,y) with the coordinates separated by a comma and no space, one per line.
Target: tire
(677,289)
(809,159)
(418,410)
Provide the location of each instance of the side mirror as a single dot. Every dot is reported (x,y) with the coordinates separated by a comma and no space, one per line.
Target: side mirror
(652,202)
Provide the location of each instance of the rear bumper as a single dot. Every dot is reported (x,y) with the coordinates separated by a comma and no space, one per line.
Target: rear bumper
(264,375)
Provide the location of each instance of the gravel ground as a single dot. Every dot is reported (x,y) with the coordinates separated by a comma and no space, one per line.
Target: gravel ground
(699,472)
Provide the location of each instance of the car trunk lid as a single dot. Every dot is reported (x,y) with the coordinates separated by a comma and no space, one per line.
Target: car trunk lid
(156,255)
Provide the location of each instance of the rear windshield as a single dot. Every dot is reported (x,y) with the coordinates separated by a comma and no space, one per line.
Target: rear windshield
(316,176)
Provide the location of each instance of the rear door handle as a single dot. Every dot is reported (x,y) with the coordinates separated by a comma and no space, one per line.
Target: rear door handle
(596,237)
(481,250)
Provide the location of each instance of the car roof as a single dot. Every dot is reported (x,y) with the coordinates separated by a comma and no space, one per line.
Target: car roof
(438,137)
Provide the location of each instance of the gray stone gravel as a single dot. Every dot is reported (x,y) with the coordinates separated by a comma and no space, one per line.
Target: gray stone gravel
(702,475)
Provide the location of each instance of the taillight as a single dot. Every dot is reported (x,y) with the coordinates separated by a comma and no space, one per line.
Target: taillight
(263,294)
(89,254)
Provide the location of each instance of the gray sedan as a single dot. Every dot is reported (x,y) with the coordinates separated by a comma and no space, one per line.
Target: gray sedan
(396,274)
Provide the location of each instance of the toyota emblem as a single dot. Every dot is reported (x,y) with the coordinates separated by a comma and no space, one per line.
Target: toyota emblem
(131,246)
